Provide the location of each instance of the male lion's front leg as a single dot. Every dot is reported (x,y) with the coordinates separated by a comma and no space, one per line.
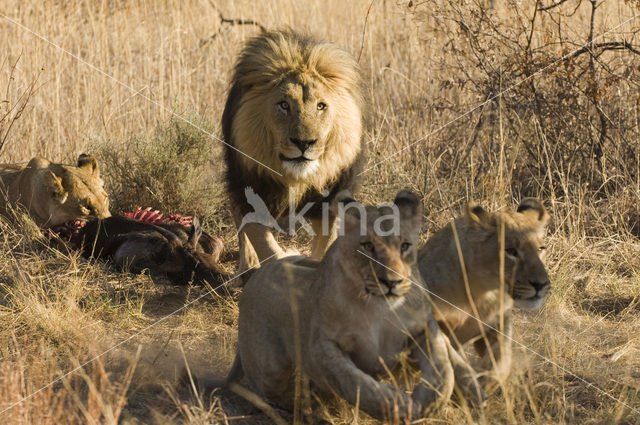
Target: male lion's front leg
(335,371)
(325,234)
(256,244)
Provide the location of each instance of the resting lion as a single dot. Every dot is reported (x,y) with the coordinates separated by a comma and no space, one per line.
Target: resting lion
(526,282)
(346,318)
(55,193)
(293,128)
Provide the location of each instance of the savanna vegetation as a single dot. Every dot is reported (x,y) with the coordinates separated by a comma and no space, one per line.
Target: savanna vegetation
(478,100)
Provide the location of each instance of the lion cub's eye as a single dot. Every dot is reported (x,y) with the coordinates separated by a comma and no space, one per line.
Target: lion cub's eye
(542,248)
(321,106)
(512,252)
(284,105)
(405,247)
(368,246)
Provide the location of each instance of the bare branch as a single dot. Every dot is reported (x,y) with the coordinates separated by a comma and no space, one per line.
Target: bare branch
(608,45)
(364,29)
(551,6)
(14,110)
(230,22)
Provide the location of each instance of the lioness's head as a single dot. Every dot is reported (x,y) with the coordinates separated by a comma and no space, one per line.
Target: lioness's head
(299,108)
(71,193)
(521,244)
(379,244)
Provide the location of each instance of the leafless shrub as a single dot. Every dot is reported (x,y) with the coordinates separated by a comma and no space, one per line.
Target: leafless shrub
(13,103)
(556,99)
(170,170)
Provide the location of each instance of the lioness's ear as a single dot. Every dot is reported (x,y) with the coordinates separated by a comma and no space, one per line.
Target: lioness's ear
(344,202)
(89,163)
(410,207)
(38,162)
(478,216)
(348,210)
(532,207)
(53,185)
(195,233)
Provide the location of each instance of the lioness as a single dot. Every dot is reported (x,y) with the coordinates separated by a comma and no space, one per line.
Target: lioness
(292,125)
(55,193)
(496,247)
(345,319)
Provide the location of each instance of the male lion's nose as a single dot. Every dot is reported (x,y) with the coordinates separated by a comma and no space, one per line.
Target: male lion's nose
(303,145)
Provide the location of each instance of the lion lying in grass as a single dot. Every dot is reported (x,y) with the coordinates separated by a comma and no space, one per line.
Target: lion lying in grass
(345,319)
(54,194)
(496,247)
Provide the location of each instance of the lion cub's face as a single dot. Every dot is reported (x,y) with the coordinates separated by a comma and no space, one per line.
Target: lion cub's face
(525,274)
(302,118)
(76,193)
(379,253)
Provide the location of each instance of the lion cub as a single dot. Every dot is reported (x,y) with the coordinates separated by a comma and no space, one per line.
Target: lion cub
(345,319)
(55,193)
(496,247)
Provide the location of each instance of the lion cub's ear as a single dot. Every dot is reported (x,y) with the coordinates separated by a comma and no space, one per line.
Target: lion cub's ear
(349,211)
(53,185)
(38,162)
(478,216)
(410,207)
(534,209)
(89,163)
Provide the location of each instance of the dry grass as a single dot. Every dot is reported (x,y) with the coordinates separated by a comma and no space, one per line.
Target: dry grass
(568,135)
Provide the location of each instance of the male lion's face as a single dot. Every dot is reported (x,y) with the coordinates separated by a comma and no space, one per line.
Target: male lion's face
(302,117)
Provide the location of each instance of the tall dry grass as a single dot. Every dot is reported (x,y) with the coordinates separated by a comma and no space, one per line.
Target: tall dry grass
(567,134)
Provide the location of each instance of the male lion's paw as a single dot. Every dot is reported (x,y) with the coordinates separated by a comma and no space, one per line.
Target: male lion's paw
(288,253)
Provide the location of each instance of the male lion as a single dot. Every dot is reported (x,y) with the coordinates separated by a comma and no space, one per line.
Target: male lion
(55,193)
(293,127)
(499,247)
(343,320)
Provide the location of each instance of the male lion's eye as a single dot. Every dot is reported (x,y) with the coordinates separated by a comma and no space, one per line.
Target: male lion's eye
(405,247)
(512,252)
(284,105)
(368,246)
(322,106)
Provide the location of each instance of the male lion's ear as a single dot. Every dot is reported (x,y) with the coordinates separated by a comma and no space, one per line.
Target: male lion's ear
(410,207)
(89,163)
(53,185)
(534,208)
(478,216)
